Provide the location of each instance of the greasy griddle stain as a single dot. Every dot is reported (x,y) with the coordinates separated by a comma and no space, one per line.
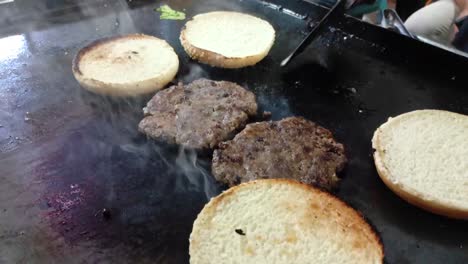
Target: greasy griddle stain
(151,205)
(69,200)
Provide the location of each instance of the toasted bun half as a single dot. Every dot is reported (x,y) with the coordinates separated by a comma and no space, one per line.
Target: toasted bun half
(281,221)
(422,156)
(126,65)
(227,39)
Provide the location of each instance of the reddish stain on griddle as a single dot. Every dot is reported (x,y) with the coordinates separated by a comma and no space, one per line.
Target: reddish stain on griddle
(83,176)
(64,201)
(68,212)
(71,196)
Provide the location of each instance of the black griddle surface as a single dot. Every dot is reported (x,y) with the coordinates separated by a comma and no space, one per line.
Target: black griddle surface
(67,154)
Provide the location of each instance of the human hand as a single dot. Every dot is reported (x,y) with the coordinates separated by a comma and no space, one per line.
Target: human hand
(461,3)
(463,7)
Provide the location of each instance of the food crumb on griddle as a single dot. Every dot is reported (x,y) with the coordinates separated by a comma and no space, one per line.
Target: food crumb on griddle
(106,214)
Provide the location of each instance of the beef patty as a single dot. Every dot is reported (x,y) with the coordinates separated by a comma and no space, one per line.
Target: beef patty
(198,115)
(293,148)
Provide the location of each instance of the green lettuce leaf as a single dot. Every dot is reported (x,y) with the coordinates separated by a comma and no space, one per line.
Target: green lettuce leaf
(168,13)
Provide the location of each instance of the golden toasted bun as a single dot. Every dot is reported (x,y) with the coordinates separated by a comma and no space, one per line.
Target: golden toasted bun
(227,39)
(422,156)
(126,65)
(281,221)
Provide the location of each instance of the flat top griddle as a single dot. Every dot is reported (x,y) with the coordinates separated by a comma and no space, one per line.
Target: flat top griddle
(67,154)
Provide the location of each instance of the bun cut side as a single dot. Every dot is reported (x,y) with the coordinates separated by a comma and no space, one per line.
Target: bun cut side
(422,156)
(227,39)
(126,65)
(281,221)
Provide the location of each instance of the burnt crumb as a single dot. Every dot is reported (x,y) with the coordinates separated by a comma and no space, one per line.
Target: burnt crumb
(129,57)
(240,232)
(106,214)
(134,52)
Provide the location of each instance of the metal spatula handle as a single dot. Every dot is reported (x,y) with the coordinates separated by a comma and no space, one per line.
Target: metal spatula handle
(313,33)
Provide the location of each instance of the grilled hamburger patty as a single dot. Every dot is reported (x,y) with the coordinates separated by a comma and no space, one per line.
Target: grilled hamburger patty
(198,115)
(293,148)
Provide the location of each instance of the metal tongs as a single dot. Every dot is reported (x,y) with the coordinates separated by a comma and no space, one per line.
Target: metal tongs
(336,9)
(391,20)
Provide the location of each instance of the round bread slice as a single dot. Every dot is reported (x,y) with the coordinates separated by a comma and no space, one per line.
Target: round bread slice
(281,221)
(227,39)
(422,156)
(126,65)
